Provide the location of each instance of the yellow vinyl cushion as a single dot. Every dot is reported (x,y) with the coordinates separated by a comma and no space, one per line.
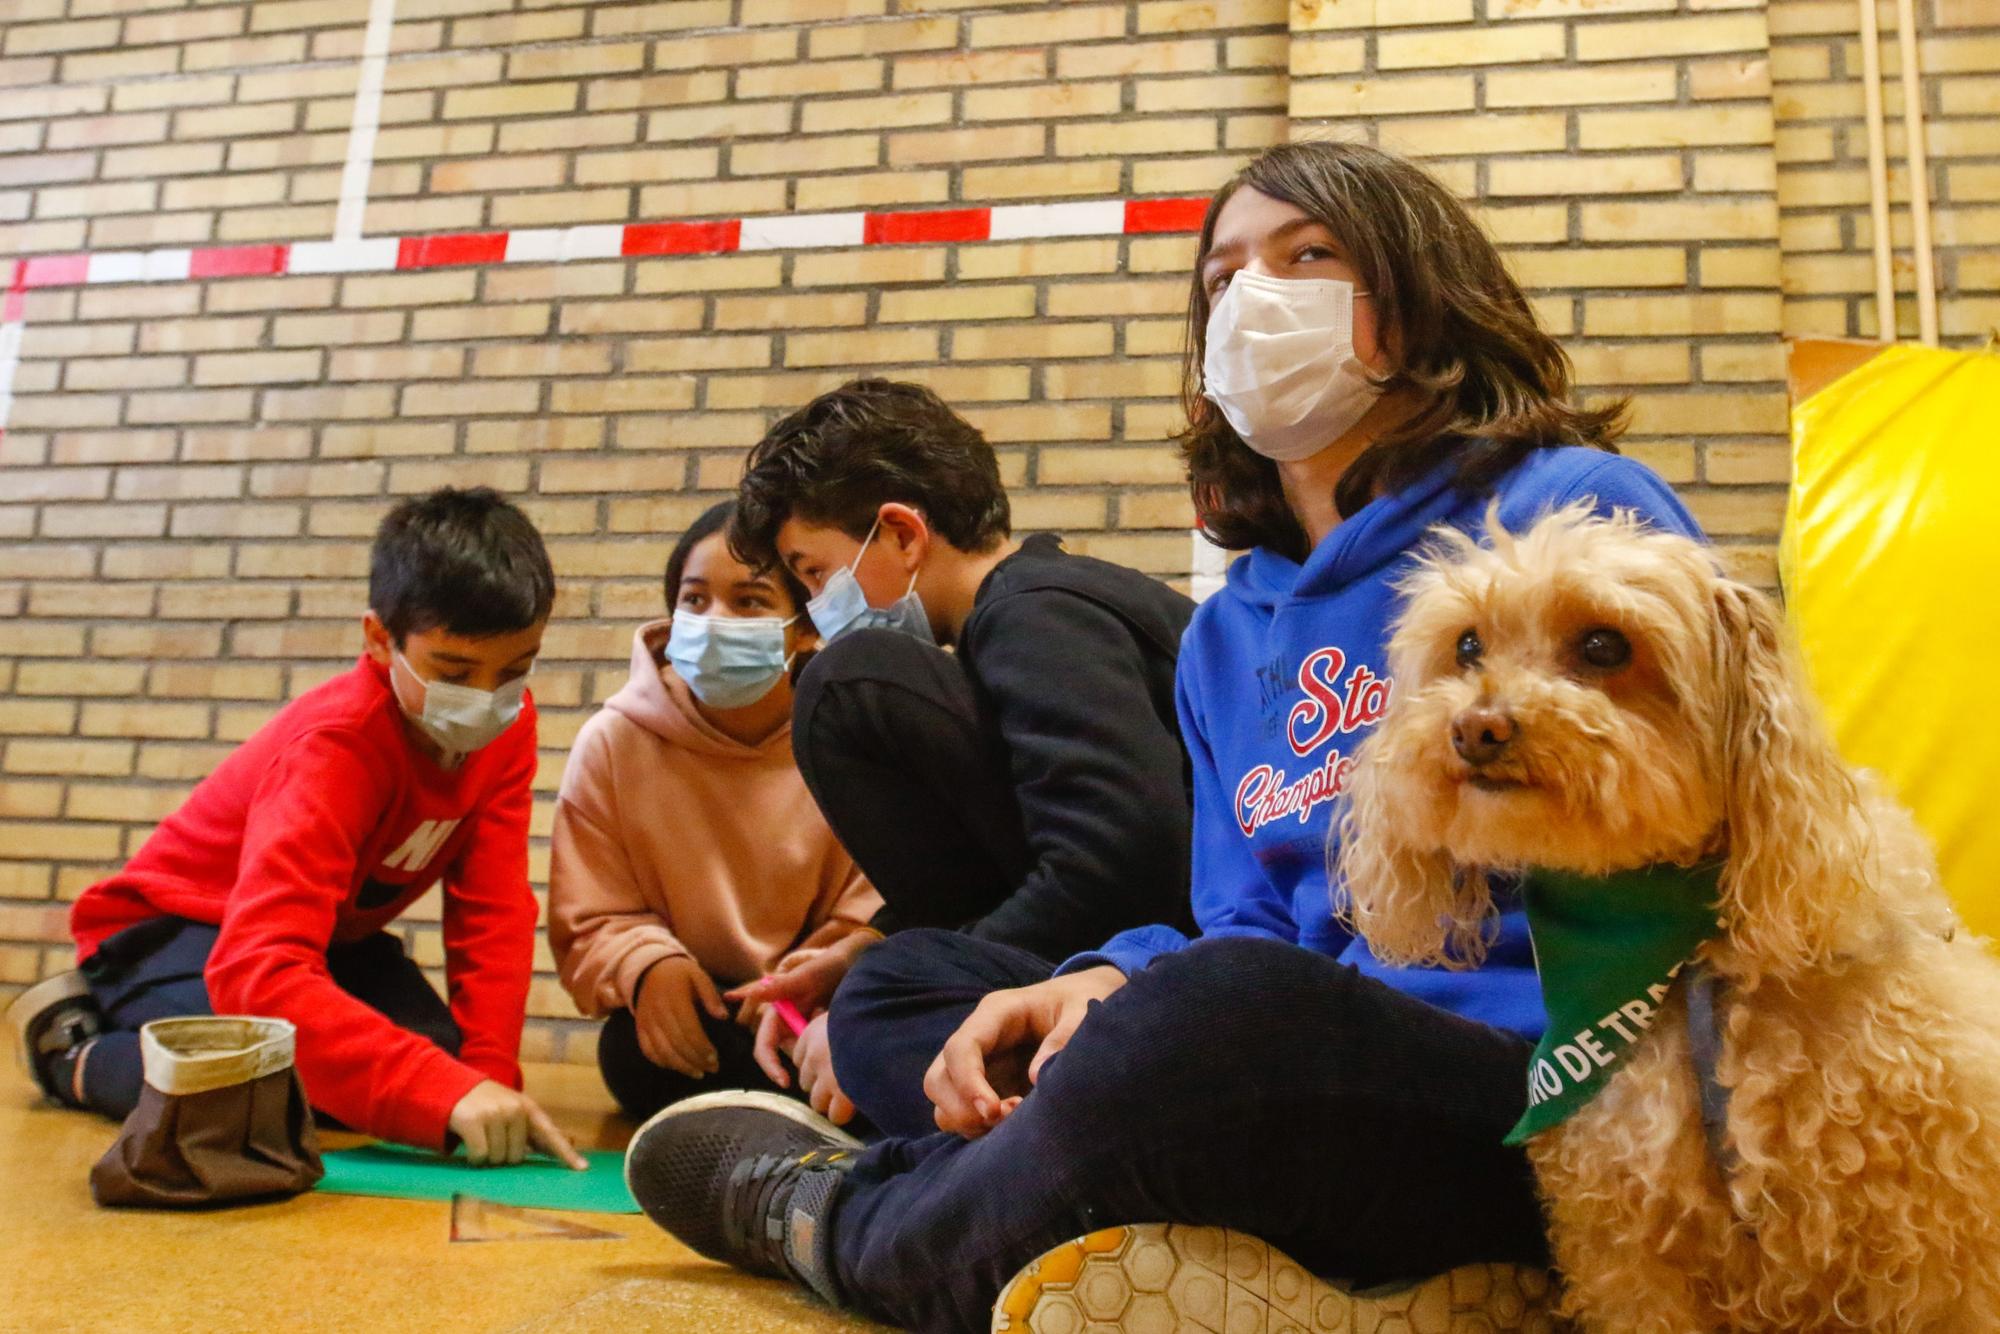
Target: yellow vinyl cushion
(1891,564)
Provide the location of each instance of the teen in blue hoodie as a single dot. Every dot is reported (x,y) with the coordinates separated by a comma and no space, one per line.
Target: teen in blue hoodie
(1270,760)
(1363,368)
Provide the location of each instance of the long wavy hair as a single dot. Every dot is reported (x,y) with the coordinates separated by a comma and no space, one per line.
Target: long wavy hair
(1490,384)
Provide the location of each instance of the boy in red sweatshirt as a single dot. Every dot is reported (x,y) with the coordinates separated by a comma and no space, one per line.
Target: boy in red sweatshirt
(268,890)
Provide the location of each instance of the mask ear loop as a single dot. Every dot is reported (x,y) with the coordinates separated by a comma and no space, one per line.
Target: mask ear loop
(871,537)
(872,529)
(786,624)
(396,656)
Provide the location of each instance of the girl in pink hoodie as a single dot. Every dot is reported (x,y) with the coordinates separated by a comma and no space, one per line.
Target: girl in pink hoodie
(688,856)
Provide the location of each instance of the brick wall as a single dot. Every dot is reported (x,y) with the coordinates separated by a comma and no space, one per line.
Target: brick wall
(1622,154)
(1823,166)
(191,468)
(171,124)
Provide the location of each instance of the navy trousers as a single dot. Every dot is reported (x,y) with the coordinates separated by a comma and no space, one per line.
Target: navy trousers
(897,1006)
(1239,1083)
(154,971)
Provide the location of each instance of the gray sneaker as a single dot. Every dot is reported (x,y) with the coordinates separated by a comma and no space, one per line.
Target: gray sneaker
(1159,1278)
(50,1019)
(747,1178)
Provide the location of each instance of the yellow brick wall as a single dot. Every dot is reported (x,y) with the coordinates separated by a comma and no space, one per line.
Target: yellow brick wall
(191,470)
(229,122)
(1822,146)
(1621,152)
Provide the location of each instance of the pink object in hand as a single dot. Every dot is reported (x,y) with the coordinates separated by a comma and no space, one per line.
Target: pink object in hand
(789,1013)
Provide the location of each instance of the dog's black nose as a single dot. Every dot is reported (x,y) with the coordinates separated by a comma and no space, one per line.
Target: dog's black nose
(1480,734)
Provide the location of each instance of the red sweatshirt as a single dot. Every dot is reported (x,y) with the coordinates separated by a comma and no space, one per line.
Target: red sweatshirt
(321,828)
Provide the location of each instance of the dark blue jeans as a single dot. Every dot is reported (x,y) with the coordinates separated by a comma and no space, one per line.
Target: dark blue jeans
(1240,1083)
(154,971)
(897,1006)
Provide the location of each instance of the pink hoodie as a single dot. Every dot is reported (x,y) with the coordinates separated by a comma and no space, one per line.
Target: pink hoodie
(671,838)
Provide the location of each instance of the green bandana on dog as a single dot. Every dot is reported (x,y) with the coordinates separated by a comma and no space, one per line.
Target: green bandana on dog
(1607,949)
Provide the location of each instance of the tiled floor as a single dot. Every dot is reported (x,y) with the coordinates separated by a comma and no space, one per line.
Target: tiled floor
(337,1263)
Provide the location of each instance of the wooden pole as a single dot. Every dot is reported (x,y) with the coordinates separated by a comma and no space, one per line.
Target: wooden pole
(1920,174)
(1878,172)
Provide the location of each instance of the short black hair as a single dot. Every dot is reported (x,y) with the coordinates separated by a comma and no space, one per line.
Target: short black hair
(838,459)
(468,560)
(712,521)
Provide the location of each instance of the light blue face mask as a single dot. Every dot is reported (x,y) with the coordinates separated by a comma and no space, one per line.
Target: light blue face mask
(842,606)
(728,661)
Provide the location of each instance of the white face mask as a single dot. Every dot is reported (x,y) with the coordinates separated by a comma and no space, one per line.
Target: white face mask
(1280,363)
(460,718)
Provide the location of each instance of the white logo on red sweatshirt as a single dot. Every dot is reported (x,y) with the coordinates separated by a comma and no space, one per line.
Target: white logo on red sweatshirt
(1327,711)
(420,846)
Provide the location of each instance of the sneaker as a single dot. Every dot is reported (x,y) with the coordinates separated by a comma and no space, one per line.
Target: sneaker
(50,1019)
(746,1178)
(1156,1277)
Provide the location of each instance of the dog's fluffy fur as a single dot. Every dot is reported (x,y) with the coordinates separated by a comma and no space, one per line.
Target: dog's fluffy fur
(1861,1024)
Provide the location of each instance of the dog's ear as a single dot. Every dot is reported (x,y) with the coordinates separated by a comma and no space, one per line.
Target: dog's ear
(1411,904)
(1798,837)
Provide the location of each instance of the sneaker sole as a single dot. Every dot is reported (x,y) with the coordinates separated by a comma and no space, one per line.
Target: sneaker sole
(21,1011)
(789,1108)
(1156,1278)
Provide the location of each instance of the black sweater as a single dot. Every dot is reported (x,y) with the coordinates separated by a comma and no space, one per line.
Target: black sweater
(1072,660)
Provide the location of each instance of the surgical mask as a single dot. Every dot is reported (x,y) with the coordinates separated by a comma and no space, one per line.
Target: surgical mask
(460,718)
(728,661)
(1280,363)
(842,606)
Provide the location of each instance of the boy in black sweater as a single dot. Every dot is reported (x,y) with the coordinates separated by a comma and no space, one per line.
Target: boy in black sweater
(1028,791)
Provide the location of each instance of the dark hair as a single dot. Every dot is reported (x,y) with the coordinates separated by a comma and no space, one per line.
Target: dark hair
(712,521)
(839,458)
(468,560)
(1491,385)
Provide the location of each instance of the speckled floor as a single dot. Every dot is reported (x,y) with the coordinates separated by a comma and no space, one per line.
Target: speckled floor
(342,1263)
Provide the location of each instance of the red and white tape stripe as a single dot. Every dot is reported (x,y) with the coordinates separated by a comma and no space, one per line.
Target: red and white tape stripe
(555,245)
(793,231)
(545,245)
(12,302)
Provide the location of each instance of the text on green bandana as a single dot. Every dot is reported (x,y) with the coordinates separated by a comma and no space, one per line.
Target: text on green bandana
(1607,949)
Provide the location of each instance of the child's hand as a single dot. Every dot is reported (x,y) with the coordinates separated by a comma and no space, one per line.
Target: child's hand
(668,1016)
(988,1066)
(498,1124)
(808,979)
(813,1055)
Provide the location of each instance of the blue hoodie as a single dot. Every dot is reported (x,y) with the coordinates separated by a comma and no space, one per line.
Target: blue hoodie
(1280,679)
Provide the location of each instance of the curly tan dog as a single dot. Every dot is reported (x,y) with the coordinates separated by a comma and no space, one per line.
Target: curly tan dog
(1591,698)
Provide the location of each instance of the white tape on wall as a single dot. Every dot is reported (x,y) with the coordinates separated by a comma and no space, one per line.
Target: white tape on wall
(367,120)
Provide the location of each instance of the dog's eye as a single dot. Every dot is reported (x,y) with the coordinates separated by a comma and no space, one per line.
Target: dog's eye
(1604,649)
(1469,648)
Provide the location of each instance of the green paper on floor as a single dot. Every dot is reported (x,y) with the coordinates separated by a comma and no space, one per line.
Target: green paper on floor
(539,1183)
